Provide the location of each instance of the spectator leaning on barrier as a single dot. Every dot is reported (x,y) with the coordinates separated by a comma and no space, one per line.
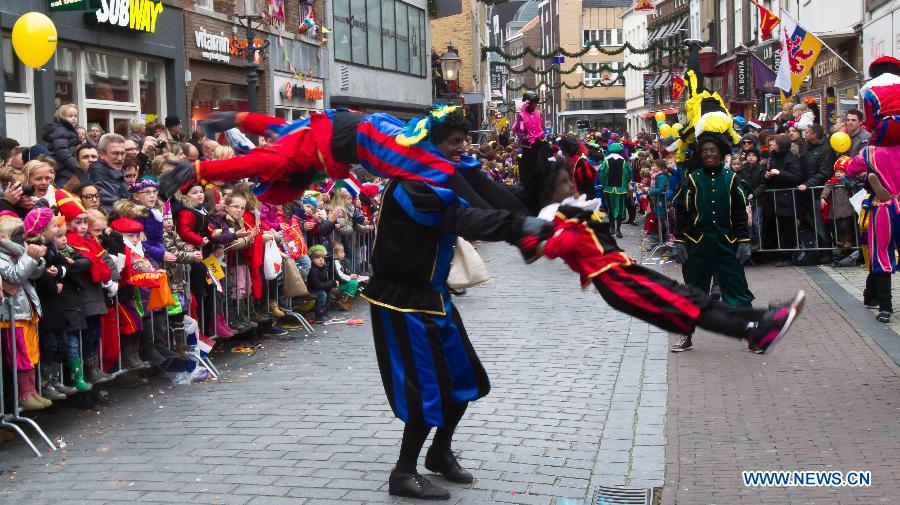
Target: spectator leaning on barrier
(859,137)
(784,173)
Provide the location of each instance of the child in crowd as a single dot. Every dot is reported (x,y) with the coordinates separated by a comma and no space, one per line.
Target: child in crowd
(102,272)
(20,264)
(319,282)
(239,272)
(177,277)
(348,283)
(59,288)
(836,205)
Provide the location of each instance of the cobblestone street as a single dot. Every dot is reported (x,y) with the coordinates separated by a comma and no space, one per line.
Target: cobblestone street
(578,399)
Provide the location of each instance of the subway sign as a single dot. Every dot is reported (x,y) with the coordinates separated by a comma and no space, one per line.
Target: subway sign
(137,15)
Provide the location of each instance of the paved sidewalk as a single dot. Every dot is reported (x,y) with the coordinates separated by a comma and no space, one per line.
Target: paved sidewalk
(579,398)
(825,399)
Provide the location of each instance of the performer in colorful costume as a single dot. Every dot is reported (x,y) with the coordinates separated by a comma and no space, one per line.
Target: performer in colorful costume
(880,163)
(712,236)
(435,194)
(582,237)
(584,174)
(614,176)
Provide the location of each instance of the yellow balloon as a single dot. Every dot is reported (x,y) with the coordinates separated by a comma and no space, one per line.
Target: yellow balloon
(660,116)
(34,39)
(840,142)
(677,127)
(665,130)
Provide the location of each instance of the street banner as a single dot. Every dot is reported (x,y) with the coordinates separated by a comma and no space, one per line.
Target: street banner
(799,51)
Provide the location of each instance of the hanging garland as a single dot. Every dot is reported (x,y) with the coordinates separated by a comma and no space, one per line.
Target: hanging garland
(614,82)
(604,66)
(596,44)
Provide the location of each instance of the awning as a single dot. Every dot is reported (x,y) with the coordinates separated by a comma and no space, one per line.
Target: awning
(663,81)
(590,112)
(671,111)
(680,24)
(657,33)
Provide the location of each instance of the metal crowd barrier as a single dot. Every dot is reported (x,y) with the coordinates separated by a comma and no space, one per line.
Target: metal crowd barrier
(802,221)
(358,249)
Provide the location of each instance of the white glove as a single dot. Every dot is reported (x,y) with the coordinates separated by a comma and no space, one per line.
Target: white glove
(111,287)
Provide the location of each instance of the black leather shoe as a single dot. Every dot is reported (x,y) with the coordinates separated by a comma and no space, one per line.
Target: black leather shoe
(413,485)
(447,465)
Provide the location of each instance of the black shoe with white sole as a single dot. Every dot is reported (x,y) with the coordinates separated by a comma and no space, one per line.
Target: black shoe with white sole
(413,485)
(683,345)
(884,316)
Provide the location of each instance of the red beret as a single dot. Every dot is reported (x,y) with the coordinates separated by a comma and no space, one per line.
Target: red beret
(884,60)
(127,225)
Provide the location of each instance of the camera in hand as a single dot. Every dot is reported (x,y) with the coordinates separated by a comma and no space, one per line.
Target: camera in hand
(160,143)
(28,190)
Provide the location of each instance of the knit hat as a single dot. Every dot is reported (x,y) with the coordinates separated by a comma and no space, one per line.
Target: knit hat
(310,200)
(842,163)
(127,225)
(69,205)
(36,221)
(145,182)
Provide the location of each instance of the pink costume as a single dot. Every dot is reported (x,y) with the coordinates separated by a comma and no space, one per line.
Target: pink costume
(884,216)
(528,126)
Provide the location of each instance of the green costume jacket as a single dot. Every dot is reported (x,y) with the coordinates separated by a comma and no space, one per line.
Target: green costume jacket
(615,175)
(711,204)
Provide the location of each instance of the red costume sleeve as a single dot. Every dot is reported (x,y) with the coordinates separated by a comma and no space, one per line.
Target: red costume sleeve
(304,150)
(258,124)
(185,227)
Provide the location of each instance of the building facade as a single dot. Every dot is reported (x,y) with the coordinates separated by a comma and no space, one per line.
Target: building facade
(379,52)
(467,32)
(637,102)
(112,71)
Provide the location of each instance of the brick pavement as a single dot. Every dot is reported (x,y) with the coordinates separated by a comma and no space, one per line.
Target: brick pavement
(579,396)
(826,399)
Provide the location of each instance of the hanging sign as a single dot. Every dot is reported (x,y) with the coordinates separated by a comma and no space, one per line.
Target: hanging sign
(138,15)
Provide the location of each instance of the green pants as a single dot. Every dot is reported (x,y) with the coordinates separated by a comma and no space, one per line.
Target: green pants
(349,288)
(715,256)
(615,206)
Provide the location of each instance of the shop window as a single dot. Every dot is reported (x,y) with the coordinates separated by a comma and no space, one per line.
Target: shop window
(388,39)
(13,70)
(107,77)
(848,98)
(342,49)
(204,4)
(149,89)
(380,33)
(374,35)
(212,97)
(64,61)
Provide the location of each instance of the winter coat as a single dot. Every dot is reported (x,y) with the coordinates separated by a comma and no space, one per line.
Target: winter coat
(839,189)
(154,248)
(528,126)
(63,310)
(817,163)
(110,183)
(18,270)
(781,203)
(317,279)
(176,271)
(753,174)
(62,139)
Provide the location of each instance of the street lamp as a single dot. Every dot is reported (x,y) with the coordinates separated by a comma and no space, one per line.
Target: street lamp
(450,62)
(252,66)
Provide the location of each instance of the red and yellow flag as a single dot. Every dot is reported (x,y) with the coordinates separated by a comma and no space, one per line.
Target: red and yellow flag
(678,86)
(767,21)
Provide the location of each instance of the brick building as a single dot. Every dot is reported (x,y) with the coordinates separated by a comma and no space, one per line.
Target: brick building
(466,31)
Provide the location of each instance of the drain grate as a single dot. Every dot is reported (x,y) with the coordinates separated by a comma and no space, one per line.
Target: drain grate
(609,495)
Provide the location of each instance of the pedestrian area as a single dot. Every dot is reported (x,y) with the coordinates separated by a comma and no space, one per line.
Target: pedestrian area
(578,400)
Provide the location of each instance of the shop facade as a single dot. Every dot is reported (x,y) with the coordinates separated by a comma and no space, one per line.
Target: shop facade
(216,55)
(298,67)
(833,84)
(112,71)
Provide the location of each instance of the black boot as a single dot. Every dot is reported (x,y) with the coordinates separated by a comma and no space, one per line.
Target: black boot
(413,485)
(445,463)
(618,228)
(148,347)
